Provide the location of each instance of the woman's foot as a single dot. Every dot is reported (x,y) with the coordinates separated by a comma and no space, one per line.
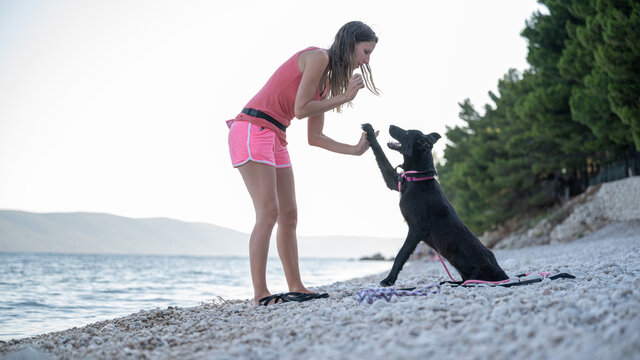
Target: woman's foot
(301,289)
(266,300)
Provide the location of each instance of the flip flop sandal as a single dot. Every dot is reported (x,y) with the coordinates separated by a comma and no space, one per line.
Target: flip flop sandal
(277,299)
(300,297)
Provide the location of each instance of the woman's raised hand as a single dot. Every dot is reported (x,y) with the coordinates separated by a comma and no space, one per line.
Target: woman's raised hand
(355,84)
(363,144)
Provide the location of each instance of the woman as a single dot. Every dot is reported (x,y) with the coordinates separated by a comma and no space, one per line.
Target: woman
(307,85)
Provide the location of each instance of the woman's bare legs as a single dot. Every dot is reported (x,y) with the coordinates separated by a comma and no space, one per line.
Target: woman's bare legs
(286,235)
(260,180)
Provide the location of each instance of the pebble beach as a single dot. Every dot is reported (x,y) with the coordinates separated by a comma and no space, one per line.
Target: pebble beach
(594,316)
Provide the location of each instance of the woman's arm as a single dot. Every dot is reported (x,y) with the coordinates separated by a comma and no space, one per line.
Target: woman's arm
(313,66)
(317,138)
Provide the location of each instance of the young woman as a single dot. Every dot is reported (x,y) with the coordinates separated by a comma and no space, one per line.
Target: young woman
(307,85)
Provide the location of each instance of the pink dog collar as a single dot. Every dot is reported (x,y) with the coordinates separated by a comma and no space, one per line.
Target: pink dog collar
(412,178)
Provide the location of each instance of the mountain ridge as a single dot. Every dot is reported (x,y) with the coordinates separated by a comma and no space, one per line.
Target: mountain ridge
(97,233)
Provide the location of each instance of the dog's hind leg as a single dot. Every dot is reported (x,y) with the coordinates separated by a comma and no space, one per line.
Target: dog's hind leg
(410,243)
(388,172)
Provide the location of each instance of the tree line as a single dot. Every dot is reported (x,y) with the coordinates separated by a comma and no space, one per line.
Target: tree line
(556,125)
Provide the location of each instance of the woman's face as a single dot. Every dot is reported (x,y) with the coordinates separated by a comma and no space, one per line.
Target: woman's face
(362,52)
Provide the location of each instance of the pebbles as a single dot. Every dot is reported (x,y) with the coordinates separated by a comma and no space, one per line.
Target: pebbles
(596,315)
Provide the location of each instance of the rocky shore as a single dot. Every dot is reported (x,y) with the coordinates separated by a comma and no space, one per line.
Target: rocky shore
(594,316)
(604,204)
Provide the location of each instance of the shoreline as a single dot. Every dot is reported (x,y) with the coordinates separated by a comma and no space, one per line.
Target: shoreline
(50,293)
(594,316)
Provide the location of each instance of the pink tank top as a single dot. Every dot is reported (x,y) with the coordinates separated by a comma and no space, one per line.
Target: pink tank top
(278,96)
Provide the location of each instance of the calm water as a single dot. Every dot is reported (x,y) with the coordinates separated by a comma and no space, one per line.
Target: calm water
(40,293)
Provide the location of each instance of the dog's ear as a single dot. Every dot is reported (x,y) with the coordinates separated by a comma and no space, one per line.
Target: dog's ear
(433,137)
(430,139)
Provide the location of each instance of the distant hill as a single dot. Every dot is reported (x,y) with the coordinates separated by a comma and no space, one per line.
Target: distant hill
(96,233)
(104,233)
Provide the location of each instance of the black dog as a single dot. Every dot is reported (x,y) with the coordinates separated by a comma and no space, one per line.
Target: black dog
(428,213)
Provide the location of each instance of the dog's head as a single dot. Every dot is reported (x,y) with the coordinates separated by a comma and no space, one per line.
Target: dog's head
(414,146)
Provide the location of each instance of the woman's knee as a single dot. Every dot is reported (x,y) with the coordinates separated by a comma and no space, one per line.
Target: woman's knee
(267,215)
(288,218)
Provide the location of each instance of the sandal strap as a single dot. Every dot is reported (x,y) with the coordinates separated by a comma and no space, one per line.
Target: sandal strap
(307,297)
(267,299)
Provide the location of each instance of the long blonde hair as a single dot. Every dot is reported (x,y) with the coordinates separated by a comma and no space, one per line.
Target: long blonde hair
(341,58)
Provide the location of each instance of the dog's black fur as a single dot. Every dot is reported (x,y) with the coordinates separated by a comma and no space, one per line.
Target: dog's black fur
(428,213)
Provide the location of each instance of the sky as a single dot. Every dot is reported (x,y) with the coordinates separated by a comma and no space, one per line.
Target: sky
(120,106)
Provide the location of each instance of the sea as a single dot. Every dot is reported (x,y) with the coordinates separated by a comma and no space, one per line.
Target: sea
(42,292)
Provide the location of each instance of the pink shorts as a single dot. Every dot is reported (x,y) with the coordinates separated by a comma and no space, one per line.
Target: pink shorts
(250,142)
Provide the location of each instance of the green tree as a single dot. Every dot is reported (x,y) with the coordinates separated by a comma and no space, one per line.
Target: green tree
(617,54)
(551,128)
(589,102)
(563,144)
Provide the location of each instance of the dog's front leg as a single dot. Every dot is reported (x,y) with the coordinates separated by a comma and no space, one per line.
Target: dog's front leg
(410,243)
(388,172)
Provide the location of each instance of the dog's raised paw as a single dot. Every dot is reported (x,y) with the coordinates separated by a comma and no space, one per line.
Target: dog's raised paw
(367,127)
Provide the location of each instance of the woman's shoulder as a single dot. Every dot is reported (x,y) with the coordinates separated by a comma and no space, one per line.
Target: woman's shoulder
(312,57)
(314,54)
(315,51)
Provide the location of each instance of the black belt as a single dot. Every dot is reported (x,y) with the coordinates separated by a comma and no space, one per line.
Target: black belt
(261,115)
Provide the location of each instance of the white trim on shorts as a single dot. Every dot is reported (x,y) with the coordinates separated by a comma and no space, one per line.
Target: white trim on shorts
(254,160)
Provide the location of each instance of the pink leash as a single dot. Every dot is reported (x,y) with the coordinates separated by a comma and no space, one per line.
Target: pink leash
(445,267)
(482,281)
